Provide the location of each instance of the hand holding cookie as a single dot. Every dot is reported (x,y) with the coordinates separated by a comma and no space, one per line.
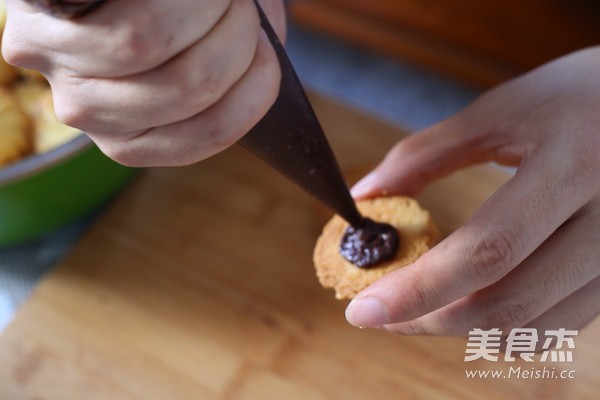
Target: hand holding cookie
(529,256)
(153,82)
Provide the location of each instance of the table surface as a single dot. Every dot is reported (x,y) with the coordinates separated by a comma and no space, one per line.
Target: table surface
(198,283)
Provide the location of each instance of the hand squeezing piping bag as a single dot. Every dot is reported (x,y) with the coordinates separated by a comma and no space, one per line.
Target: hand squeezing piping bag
(290,139)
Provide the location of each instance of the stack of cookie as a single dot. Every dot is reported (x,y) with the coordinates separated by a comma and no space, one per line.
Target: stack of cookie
(28,124)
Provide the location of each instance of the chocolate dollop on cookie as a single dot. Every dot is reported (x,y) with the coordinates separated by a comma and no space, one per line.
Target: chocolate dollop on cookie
(369,244)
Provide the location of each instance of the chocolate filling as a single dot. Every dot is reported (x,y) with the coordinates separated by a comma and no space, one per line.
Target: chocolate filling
(370,243)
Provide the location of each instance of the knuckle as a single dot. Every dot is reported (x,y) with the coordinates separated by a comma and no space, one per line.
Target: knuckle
(220,138)
(136,42)
(414,327)
(511,312)
(420,297)
(492,254)
(16,55)
(585,155)
(573,269)
(202,90)
(423,296)
(11,53)
(71,114)
(122,153)
(195,89)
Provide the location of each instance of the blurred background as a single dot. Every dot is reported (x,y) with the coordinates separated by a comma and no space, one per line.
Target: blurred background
(411,63)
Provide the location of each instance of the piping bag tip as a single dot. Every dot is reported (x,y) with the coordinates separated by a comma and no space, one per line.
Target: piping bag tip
(291,140)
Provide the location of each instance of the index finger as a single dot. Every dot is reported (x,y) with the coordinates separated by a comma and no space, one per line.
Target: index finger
(124,36)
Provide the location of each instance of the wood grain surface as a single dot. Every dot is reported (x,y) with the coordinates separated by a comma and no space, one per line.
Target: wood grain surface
(197,283)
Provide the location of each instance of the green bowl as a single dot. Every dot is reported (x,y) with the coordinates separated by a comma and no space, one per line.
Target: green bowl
(44,192)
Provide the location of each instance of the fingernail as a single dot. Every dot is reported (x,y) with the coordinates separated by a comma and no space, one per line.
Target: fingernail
(367,312)
(363,187)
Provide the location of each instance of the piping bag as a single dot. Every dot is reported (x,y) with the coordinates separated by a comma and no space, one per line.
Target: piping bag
(290,139)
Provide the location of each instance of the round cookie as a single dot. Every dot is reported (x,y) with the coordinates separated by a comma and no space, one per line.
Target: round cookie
(2,15)
(8,73)
(15,139)
(28,95)
(417,234)
(29,75)
(49,131)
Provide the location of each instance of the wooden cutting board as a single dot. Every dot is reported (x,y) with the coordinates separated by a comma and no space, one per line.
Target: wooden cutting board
(198,283)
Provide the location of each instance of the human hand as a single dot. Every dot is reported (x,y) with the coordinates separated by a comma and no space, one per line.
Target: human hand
(153,82)
(529,256)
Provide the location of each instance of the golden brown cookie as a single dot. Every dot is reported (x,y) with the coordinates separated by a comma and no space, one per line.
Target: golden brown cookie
(29,95)
(29,75)
(49,131)
(8,73)
(14,129)
(417,234)
(2,15)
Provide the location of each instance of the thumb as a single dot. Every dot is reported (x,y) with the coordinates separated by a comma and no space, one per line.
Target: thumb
(426,156)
